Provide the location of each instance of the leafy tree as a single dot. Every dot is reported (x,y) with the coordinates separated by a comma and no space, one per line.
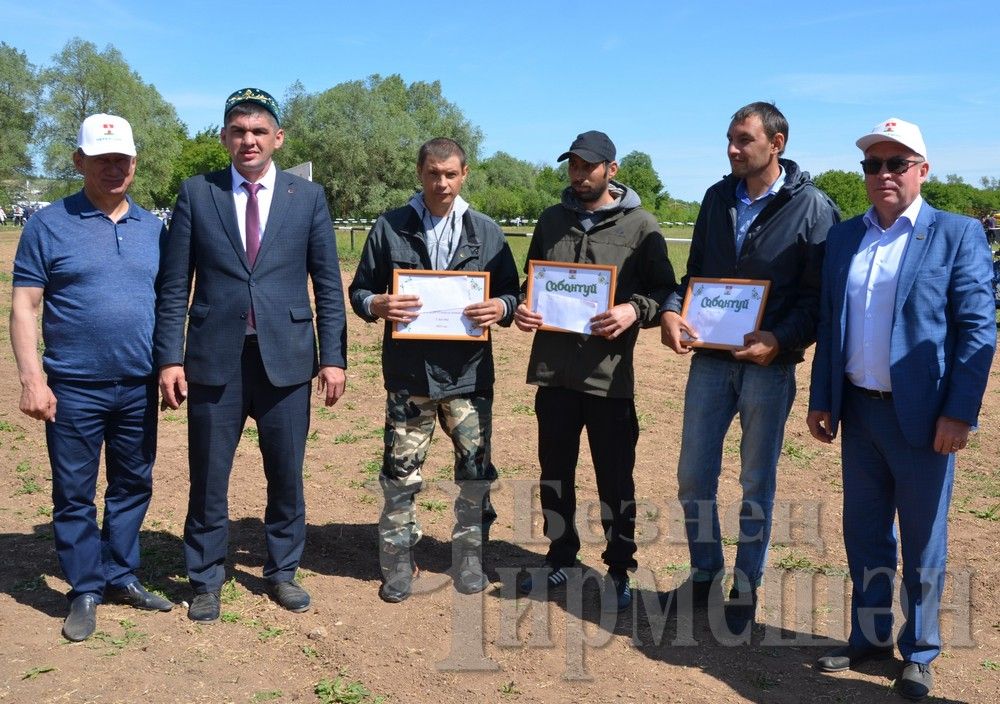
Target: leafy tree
(363,138)
(199,154)
(636,170)
(846,189)
(18,94)
(83,81)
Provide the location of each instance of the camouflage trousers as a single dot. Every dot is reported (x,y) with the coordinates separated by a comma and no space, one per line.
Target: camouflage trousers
(409,427)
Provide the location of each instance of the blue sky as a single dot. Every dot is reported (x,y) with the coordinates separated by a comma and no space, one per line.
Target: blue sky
(659,77)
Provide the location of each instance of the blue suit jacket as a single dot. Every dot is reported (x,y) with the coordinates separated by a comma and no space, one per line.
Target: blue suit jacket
(943,327)
(204,248)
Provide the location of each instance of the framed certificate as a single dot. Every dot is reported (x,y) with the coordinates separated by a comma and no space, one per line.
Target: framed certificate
(722,311)
(568,295)
(443,297)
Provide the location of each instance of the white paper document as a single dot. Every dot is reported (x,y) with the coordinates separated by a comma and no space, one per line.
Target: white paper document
(566,312)
(442,298)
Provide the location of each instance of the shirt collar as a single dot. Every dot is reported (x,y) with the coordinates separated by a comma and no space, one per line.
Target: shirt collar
(910,215)
(458,207)
(267,180)
(741,188)
(88,209)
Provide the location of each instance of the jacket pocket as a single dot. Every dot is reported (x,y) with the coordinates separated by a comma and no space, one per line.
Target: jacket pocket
(403,258)
(199,311)
(300,313)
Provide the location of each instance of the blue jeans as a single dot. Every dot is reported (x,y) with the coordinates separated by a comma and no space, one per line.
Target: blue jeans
(718,389)
(121,416)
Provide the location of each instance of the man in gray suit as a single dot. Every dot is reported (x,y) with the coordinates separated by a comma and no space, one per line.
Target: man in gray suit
(249,238)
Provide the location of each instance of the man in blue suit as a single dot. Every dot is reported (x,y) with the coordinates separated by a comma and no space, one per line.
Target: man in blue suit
(905,342)
(249,238)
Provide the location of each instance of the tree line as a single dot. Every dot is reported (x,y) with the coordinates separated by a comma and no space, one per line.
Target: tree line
(361,136)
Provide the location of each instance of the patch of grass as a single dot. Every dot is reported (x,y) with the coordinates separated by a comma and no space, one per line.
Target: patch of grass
(372,467)
(348,438)
(310,652)
(130,636)
(730,540)
(989,514)
(266,695)
(798,452)
(509,689)
(269,632)
(366,499)
(230,592)
(991,665)
(6,427)
(797,562)
(28,486)
(325,413)
(230,617)
(36,671)
(343,691)
(175,417)
(44,511)
(674,567)
(313,436)
(23,466)
(522,409)
(646,420)
(252,435)
(436,505)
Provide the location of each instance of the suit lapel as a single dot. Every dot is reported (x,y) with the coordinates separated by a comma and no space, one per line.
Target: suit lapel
(222,194)
(284,191)
(916,248)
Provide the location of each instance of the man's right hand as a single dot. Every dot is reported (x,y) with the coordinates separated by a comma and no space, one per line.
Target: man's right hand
(396,307)
(526,319)
(820,423)
(38,401)
(673,329)
(173,386)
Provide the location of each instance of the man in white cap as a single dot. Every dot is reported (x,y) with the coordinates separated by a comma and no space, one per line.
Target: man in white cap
(902,367)
(91,260)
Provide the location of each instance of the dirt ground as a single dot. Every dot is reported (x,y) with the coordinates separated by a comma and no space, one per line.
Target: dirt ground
(440,646)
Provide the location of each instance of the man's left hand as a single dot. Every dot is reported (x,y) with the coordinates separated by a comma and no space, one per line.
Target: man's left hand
(485,313)
(759,347)
(331,383)
(614,321)
(951,435)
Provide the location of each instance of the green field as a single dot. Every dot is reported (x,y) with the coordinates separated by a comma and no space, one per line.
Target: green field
(518,240)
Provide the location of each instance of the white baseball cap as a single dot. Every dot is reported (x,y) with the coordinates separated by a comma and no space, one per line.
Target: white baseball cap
(105,134)
(895,130)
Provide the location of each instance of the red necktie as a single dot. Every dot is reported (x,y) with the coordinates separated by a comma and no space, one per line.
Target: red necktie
(252,222)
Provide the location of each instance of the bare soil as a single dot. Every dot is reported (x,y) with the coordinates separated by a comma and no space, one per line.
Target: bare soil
(441,646)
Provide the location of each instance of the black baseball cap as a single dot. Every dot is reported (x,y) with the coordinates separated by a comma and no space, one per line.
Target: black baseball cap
(593,147)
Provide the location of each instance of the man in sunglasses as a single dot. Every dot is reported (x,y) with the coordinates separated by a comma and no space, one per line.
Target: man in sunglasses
(906,337)
(765,220)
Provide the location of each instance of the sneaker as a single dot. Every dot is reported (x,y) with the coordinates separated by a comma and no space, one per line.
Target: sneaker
(616,594)
(554,577)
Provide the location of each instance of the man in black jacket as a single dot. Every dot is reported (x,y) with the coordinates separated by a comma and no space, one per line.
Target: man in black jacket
(766,220)
(428,379)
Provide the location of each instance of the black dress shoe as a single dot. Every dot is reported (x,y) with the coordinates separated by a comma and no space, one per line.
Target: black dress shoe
(916,681)
(82,619)
(699,595)
(847,656)
(289,595)
(135,595)
(205,607)
(470,577)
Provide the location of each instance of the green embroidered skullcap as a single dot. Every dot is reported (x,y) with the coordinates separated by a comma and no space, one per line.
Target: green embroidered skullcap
(255,96)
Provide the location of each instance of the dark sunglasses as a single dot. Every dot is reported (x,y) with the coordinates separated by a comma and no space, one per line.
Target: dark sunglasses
(894,165)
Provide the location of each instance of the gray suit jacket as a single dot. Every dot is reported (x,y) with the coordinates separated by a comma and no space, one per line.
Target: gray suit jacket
(204,249)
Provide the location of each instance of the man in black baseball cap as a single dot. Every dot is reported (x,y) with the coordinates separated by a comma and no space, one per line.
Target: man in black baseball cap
(587,380)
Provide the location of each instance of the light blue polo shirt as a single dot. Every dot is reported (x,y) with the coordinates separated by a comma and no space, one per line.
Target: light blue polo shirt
(747,210)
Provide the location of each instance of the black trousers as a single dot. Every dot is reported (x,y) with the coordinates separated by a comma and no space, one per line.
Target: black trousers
(612,433)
